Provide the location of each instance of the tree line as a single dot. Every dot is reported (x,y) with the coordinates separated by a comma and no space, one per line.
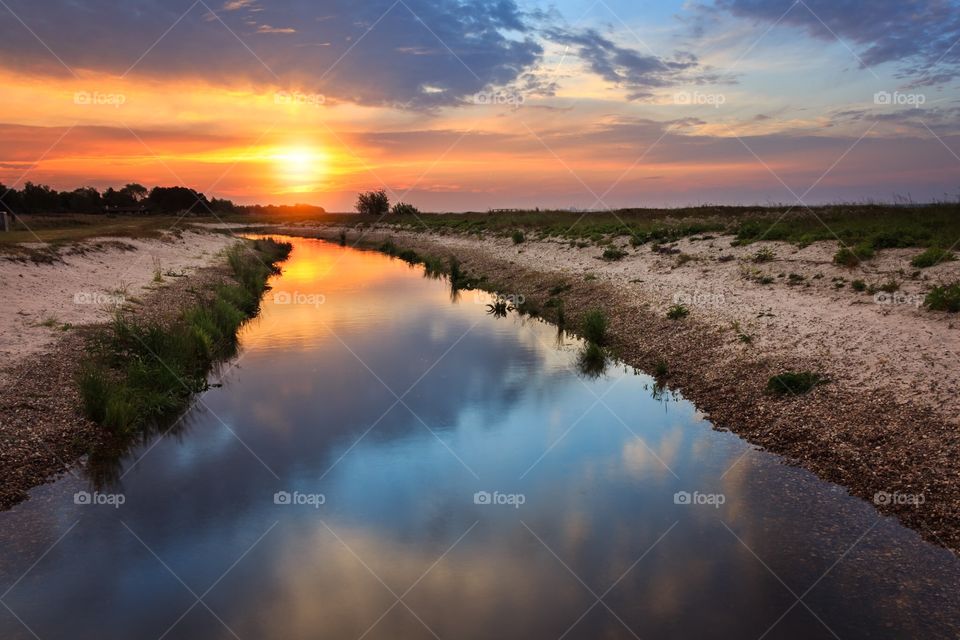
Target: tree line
(39,198)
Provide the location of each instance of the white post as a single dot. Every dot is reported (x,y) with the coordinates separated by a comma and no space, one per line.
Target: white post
(6,221)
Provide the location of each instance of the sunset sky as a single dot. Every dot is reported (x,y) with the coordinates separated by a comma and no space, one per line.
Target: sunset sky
(472,104)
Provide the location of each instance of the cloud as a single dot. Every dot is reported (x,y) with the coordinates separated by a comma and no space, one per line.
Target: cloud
(919,35)
(637,72)
(415,54)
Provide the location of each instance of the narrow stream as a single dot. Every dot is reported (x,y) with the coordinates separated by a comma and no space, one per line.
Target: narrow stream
(384,461)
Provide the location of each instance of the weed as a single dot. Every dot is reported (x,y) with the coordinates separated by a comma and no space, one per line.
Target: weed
(793,382)
(944,298)
(517,237)
(595,325)
(859,285)
(678,311)
(612,254)
(931,257)
(765,254)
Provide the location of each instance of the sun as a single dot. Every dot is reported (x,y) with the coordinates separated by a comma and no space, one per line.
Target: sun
(300,167)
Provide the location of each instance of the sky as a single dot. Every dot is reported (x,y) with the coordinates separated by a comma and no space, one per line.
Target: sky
(456,105)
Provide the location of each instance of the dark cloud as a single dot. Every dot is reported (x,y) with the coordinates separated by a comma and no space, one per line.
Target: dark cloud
(920,35)
(637,72)
(413,53)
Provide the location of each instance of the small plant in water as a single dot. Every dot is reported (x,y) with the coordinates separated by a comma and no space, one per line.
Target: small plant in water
(498,308)
(595,326)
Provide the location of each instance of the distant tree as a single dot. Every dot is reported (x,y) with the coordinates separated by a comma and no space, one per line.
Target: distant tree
(404,209)
(223,206)
(374,203)
(177,200)
(82,200)
(39,198)
(136,192)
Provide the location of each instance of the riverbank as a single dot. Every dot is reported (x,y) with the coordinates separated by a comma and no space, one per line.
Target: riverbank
(885,424)
(43,428)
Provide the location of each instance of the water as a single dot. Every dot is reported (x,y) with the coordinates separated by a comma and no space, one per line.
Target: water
(398,405)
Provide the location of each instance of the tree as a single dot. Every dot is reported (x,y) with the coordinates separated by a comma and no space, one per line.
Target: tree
(404,209)
(374,203)
(136,192)
(178,199)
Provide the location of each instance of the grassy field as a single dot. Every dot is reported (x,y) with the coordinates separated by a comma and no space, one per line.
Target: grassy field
(865,226)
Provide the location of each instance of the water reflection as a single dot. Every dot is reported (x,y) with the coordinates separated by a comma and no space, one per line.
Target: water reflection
(399,406)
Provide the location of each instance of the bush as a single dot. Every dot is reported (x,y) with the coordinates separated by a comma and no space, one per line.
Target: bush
(518,237)
(404,209)
(793,382)
(859,285)
(847,257)
(374,203)
(595,326)
(764,255)
(677,312)
(592,360)
(944,298)
(612,254)
(931,257)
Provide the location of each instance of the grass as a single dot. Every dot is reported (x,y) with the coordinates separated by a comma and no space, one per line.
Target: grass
(594,327)
(142,372)
(592,360)
(765,254)
(517,237)
(944,298)
(678,311)
(794,383)
(859,285)
(851,258)
(612,254)
(931,257)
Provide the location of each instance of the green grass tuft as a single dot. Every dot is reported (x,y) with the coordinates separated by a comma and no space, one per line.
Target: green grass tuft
(931,257)
(595,325)
(944,298)
(794,383)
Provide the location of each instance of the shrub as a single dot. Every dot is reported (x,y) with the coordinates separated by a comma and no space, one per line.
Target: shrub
(931,257)
(612,254)
(595,326)
(374,203)
(859,285)
(677,312)
(793,382)
(518,237)
(764,255)
(944,298)
(592,361)
(847,257)
(404,209)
